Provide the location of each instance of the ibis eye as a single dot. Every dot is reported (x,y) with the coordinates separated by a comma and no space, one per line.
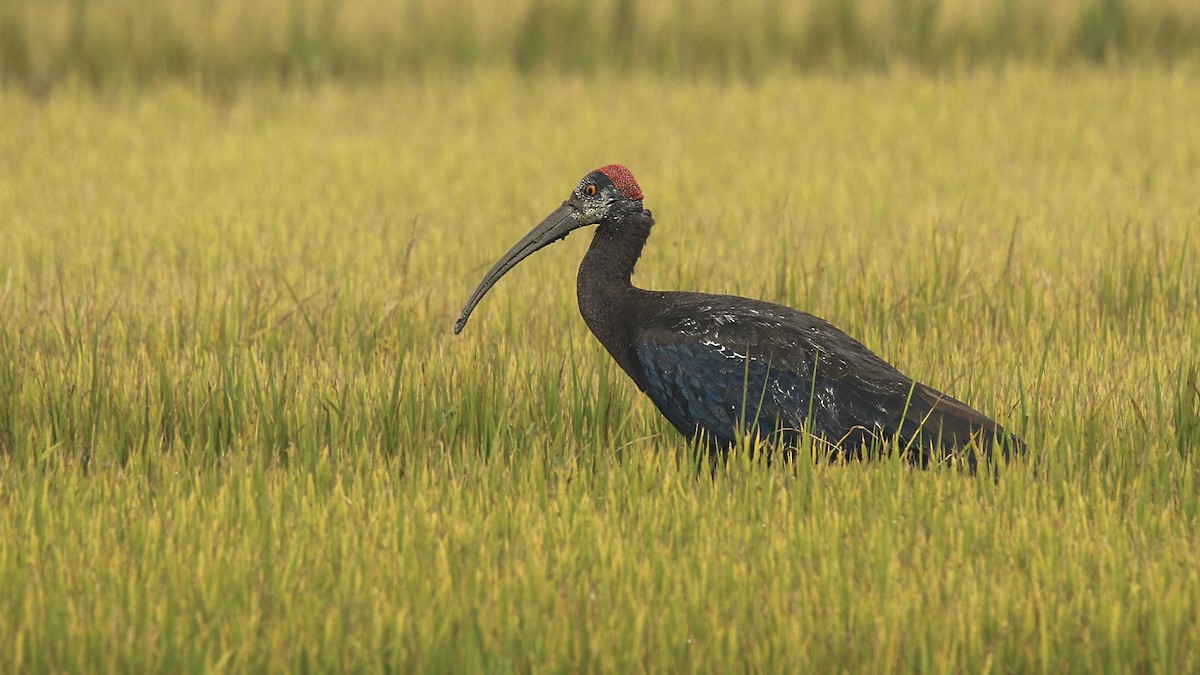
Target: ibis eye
(589,190)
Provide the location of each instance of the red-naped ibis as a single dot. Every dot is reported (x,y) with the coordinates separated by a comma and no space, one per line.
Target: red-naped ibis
(717,365)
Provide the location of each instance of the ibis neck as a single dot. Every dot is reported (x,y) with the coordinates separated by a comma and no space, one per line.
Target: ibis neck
(606,294)
(613,254)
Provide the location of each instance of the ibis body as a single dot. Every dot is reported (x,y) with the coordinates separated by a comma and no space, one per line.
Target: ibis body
(720,366)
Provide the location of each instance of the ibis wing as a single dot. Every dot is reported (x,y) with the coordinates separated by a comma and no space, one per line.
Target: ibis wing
(714,389)
(712,363)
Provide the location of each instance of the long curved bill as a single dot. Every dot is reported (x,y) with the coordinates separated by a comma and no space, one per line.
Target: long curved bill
(555,226)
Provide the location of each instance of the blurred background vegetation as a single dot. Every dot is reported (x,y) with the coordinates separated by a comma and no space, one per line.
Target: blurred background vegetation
(217,44)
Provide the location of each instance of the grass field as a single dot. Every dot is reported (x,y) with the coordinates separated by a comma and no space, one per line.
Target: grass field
(237,434)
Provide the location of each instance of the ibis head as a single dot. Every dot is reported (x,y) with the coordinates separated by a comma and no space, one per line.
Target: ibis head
(609,193)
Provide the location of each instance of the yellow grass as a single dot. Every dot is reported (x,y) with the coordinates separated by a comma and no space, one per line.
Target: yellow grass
(237,434)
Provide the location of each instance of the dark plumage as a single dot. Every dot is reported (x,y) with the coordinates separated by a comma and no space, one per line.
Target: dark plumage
(714,364)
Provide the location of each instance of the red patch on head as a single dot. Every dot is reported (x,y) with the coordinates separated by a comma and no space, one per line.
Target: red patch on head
(623,180)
